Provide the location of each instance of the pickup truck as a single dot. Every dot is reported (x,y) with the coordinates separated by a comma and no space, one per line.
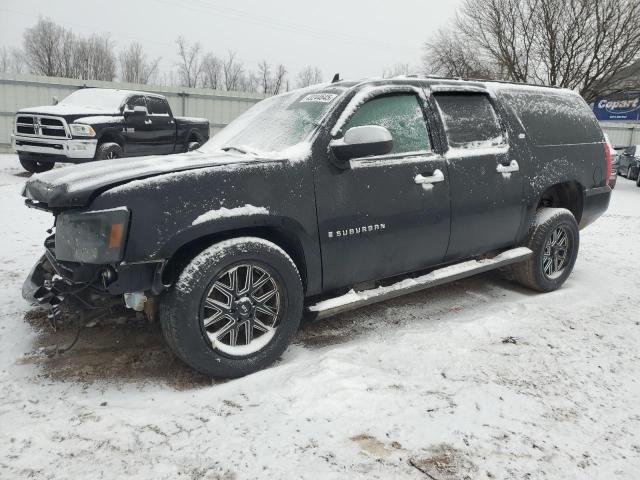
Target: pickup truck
(98,124)
(321,200)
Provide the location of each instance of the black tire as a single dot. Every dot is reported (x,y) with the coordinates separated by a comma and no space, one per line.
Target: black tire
(108,151)
(182,307)
(638,181)
(531,272)
(34,166)
(193,146)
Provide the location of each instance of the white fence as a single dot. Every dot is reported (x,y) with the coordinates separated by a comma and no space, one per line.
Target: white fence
(21,91)
(622,134)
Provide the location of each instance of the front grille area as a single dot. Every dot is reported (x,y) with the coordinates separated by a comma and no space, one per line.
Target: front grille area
(41,126)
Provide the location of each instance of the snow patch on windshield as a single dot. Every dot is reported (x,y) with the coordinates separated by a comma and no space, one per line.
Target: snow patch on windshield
(223,212)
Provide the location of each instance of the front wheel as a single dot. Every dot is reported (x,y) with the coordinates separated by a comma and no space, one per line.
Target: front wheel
(108,151)
(554,239)
(193,146)
(234,308)
(33,166)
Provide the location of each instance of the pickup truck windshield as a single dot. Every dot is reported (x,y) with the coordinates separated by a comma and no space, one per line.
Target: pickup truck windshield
(276,123)
(100,99)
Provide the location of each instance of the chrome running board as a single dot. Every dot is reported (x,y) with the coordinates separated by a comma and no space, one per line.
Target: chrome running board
(353,300)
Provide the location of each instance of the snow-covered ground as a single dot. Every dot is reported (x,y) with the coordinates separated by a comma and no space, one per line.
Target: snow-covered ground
(477,379)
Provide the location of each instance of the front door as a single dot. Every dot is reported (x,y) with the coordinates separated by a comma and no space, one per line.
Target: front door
(378,218)
(486,180)
(138,128)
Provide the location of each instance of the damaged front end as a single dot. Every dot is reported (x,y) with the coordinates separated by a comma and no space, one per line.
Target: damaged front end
(94,289)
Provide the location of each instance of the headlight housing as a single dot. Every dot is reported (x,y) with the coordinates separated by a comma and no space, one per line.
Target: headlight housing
(80,130)
(92,237)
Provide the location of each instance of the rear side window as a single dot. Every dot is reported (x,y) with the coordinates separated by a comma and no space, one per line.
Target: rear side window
(136,101)
(401,115)
(554,117)
(469,120)
(157,106)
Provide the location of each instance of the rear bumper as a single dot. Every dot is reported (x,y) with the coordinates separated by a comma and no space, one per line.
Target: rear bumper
(596,201)
(54,149)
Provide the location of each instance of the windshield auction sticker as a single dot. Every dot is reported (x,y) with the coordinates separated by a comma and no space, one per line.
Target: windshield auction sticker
(319,97)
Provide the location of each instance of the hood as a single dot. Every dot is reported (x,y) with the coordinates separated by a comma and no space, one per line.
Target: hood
(64,110)
(75,186)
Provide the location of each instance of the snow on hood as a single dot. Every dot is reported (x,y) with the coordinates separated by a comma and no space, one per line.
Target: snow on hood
(76,185)
(63,109)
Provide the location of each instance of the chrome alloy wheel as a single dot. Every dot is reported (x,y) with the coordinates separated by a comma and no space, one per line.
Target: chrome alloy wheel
(241,311)
(556,253)
(111,155)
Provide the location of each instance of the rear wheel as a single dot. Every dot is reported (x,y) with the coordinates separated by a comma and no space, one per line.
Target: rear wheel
(554,239)
(34,166)
(193,146)
(108,151)
(234,308)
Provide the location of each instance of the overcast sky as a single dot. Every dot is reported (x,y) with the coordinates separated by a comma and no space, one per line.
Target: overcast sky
(357,38)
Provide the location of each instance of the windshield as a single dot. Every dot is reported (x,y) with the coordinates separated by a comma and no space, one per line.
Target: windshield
(276,123)
(98,98)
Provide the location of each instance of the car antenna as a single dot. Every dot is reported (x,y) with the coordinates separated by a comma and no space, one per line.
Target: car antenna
(336,78)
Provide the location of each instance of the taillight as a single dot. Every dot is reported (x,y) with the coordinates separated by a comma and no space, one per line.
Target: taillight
(607,163)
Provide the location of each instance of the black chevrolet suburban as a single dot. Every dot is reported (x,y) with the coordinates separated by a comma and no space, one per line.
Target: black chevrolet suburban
(321,200)
(101,123)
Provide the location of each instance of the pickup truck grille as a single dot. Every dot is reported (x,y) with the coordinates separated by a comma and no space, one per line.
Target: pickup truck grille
(41,126)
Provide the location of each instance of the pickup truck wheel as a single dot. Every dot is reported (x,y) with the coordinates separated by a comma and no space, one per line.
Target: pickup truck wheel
(34,166)
(234,308)
(193,146)
(108,151)
(554,239)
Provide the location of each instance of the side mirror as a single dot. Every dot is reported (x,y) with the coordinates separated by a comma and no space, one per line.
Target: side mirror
(138,110)
(362,141)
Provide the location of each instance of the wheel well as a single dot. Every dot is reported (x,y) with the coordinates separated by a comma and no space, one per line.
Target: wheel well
(194,137)
(110,137)
(288,242)
(564,195)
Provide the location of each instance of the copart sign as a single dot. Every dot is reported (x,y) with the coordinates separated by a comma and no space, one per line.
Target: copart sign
(618,106)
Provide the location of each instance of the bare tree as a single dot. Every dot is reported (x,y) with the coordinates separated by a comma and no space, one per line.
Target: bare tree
(577,44)
(190,65)
(447,54)
(93,58)
(6,63)
(308,76)
(134,66)
(232,70)
(278,80)
(42,45)
(212,72)
(264,72)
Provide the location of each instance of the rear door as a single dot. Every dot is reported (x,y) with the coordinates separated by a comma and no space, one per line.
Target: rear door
(374,218)
(163,128)
(485,179)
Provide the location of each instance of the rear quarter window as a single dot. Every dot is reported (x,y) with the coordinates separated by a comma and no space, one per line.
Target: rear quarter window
(554,117)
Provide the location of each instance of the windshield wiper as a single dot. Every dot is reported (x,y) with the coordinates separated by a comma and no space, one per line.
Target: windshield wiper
(237,149)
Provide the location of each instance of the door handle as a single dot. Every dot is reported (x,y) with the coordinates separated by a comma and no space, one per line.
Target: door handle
(436,177)
(148,122)
(512,167)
